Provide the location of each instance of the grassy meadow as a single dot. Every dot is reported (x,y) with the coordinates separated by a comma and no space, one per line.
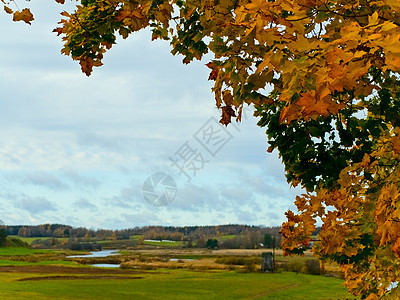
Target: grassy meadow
(170,284)
(156,271)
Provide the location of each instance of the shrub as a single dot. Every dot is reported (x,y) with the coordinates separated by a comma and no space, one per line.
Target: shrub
(249,268)
(83,246)
(15,242)
(45,243)
(238,260)
(312,267)
(3,236)
(294,266)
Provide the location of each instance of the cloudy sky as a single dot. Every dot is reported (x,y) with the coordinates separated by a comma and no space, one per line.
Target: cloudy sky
(78,150)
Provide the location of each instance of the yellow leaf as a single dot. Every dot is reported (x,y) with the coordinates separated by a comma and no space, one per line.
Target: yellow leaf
(388,26)
(301,203)
(358,69)
(375,36)
(359,54)
(365,161)
(303,43)
(372,297)
(25,15)
(392,61)
(373,19)
(394,4)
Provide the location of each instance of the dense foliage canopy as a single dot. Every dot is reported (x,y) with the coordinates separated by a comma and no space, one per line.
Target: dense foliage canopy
(324,78)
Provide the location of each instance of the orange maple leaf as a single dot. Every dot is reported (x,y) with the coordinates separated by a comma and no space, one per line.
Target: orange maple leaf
(396,144)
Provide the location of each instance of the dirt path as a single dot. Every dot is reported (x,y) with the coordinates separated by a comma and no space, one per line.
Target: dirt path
(276,290)
(72,273)
(79,277)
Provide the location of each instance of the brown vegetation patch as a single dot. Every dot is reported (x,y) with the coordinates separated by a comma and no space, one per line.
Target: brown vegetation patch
(206,252)
(63,270)
(154,263)
(77,277)
(114,259)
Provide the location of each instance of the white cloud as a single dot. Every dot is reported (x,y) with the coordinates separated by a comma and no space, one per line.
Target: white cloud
(35,205)
(44,179)
(80,180)
(84,204)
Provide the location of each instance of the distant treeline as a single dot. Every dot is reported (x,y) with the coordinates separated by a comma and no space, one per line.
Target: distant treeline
(228,236)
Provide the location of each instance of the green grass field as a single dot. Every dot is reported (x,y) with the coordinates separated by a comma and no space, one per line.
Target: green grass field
(177,284)
(46,274)
(29,240)
(163,244)
(226,237)
(17,251)
(4,262)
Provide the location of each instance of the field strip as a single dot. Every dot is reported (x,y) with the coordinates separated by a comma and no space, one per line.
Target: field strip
(77,277)
(65,270)
(276,290)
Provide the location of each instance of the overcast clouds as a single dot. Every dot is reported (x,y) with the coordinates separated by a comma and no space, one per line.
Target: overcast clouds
(77,150)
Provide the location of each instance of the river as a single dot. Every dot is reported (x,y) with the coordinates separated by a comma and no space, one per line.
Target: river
(102,253)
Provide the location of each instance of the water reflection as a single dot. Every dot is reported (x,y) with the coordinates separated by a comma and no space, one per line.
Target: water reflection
(102,253)
(106,265)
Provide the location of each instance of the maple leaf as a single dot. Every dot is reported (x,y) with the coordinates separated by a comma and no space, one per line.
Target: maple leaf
(214,70)
(396,144)
(227,114)
(87,65)
(58,30)
(60,1)
(290,113)
(24,15)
